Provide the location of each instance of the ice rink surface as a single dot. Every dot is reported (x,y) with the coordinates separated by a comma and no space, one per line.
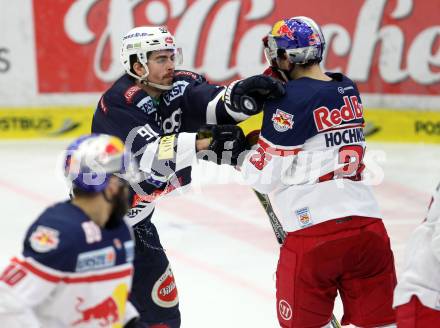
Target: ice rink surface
(218,238)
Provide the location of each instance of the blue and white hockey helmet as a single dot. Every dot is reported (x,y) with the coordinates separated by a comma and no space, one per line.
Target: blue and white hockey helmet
(92,159)
(300,38)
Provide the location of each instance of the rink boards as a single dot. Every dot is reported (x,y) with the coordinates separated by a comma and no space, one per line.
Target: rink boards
(389,125)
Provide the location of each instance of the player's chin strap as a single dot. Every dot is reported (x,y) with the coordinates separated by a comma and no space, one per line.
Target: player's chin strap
(155,85)
(144,81)
(284,74)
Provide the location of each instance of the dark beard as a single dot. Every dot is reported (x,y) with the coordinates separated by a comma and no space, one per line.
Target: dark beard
(120,208)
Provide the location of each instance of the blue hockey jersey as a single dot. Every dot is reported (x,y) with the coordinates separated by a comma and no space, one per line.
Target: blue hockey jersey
(310,153)
(161,132)
(72,272)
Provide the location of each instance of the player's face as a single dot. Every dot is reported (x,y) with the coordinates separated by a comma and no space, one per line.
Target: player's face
(161,67)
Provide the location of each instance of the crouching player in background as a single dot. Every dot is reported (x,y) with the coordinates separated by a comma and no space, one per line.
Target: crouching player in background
(309,156)
(76,267)
(417,295)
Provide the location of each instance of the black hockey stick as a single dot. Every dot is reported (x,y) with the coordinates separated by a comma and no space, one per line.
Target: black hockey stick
(280,234)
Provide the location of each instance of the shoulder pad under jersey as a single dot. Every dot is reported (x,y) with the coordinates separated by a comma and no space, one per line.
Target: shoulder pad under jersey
(188,76)
(124,91)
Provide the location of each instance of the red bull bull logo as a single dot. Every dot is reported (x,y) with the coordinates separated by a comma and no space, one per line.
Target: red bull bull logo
(281,29)
(44,239)
(304,219)
(285,30)
(282,121)
(105,312)
(115,146)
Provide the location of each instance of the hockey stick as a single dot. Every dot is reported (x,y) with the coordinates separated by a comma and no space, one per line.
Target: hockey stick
(280,234)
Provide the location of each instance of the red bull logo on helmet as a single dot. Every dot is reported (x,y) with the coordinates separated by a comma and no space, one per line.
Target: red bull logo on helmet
(282,121)
(280,28)
(115,146)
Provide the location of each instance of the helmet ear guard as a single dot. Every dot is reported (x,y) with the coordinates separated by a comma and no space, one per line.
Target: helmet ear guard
(271,58)
(268,52)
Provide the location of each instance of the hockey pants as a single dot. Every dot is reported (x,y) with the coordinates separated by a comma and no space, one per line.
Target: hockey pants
(154,292)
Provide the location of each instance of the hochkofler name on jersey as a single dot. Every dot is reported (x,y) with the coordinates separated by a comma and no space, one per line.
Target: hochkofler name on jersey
(347,136)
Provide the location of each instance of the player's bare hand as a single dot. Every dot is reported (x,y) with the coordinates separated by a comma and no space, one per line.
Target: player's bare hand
(203,144)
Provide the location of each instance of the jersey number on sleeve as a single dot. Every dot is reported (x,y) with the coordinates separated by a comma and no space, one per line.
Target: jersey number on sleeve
(352,156)
(260,159)
(12,274)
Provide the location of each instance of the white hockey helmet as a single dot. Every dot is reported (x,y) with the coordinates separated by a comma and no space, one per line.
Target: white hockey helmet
(139,41)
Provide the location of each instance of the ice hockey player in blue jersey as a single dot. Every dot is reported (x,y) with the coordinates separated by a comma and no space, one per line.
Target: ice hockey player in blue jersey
(309,159)
(76,266)
(159,112)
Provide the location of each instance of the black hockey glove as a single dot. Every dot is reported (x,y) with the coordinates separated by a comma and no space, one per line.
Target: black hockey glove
(248,95)
(227,143)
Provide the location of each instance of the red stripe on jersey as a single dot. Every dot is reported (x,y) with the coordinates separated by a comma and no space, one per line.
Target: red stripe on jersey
(271,149)
(69,280)
(101,277)
(46,276)
(152,196)
(345,126)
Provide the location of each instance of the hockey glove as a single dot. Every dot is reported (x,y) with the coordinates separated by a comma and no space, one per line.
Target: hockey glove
(248,95)
(227,143)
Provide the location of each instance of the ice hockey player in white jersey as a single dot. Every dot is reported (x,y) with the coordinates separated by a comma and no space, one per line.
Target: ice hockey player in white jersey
(76,266)
(417,295)
(309,159)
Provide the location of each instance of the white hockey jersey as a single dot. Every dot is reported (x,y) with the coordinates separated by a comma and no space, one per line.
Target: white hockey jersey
(309,157)
(421,274)
(72,274)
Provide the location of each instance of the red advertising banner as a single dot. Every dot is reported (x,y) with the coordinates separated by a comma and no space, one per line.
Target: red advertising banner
(386,46)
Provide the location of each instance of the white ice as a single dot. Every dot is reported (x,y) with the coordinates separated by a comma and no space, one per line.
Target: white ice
(218,238)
